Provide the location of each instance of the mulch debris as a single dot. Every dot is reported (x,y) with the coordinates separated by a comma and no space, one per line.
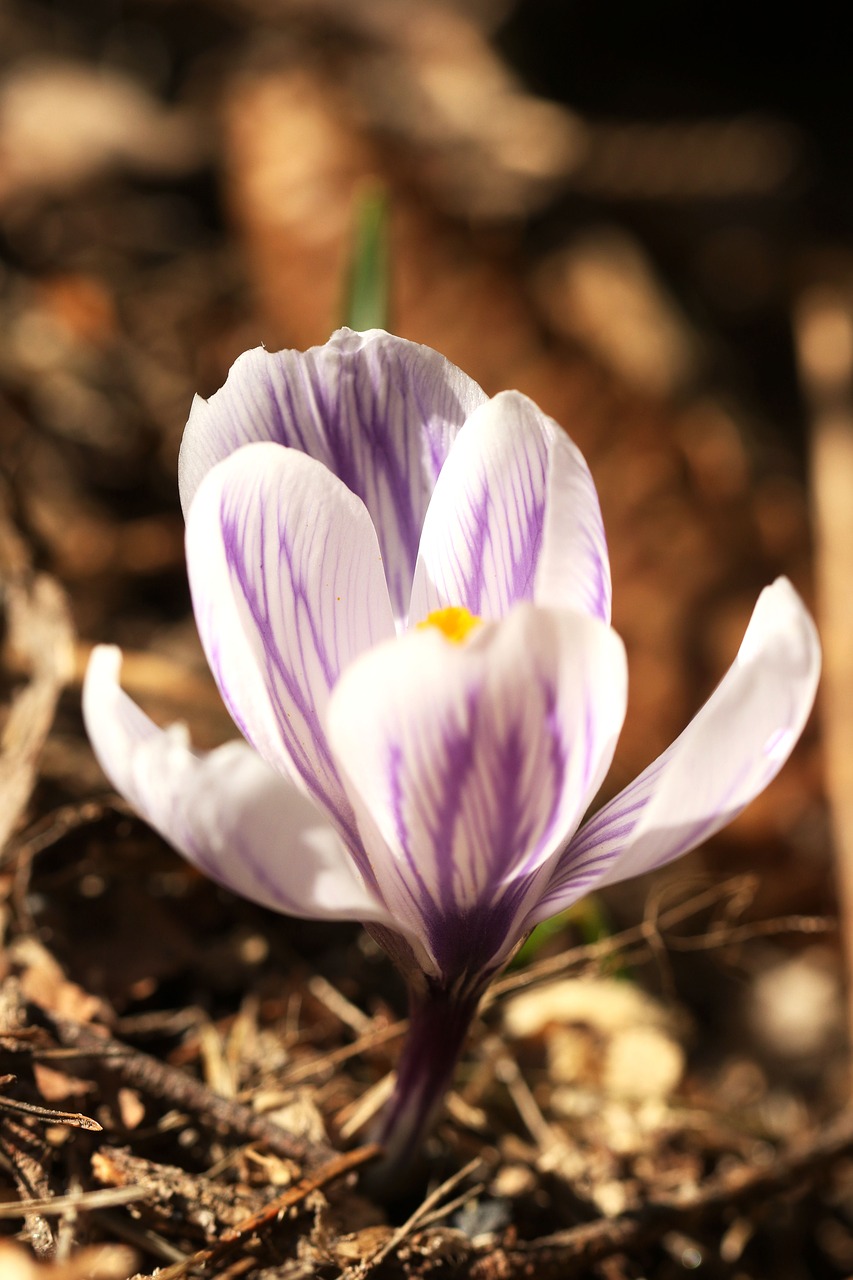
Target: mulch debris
(187,1082)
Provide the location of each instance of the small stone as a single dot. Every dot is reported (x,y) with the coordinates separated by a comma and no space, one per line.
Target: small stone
(642,1063)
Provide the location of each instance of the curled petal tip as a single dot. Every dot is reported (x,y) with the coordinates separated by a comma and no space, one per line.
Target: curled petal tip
(225,810)
(727,755)
(104,660)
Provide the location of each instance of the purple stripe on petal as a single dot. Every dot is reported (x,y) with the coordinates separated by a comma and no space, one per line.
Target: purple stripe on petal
(469,765)
(288,589)
(230,814)
(724,758)
(483,533)
(514,517)
(378,411)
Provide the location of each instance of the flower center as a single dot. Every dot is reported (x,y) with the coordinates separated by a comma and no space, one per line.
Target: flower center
(455,622)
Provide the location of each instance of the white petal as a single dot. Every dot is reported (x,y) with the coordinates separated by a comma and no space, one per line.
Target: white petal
(469,765)
(725,757)
(378,411)
(288,589)
(514,517)
(226,811)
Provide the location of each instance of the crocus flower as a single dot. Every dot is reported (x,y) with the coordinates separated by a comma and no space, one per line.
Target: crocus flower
(403,591)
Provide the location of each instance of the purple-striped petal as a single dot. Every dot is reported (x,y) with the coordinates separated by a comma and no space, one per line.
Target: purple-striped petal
(725,757)
(229,814)
(288,589)
(468,765)
(514,517)
(378,411)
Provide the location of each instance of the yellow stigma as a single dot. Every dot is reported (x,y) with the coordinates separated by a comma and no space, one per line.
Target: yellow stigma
(454,622)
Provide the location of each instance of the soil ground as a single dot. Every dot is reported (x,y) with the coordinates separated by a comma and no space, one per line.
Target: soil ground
(646,227)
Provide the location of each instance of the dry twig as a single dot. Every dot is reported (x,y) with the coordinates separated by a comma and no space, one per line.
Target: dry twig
(243,1231)
(73,1119)
(177,1089)
(39,632)
(54,1206)
(423,1212)
(566,1253)
(649,930)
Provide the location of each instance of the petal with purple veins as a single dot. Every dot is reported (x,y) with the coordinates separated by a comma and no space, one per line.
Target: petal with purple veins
(230,814)
(378,411)
(288,589)
(514,517)
(725,757)
(469,765)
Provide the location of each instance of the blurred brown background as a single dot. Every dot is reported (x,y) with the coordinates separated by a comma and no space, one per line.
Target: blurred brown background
(640,215)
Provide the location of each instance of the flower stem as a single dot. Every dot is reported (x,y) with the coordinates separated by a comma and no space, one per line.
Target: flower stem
(438,1024)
